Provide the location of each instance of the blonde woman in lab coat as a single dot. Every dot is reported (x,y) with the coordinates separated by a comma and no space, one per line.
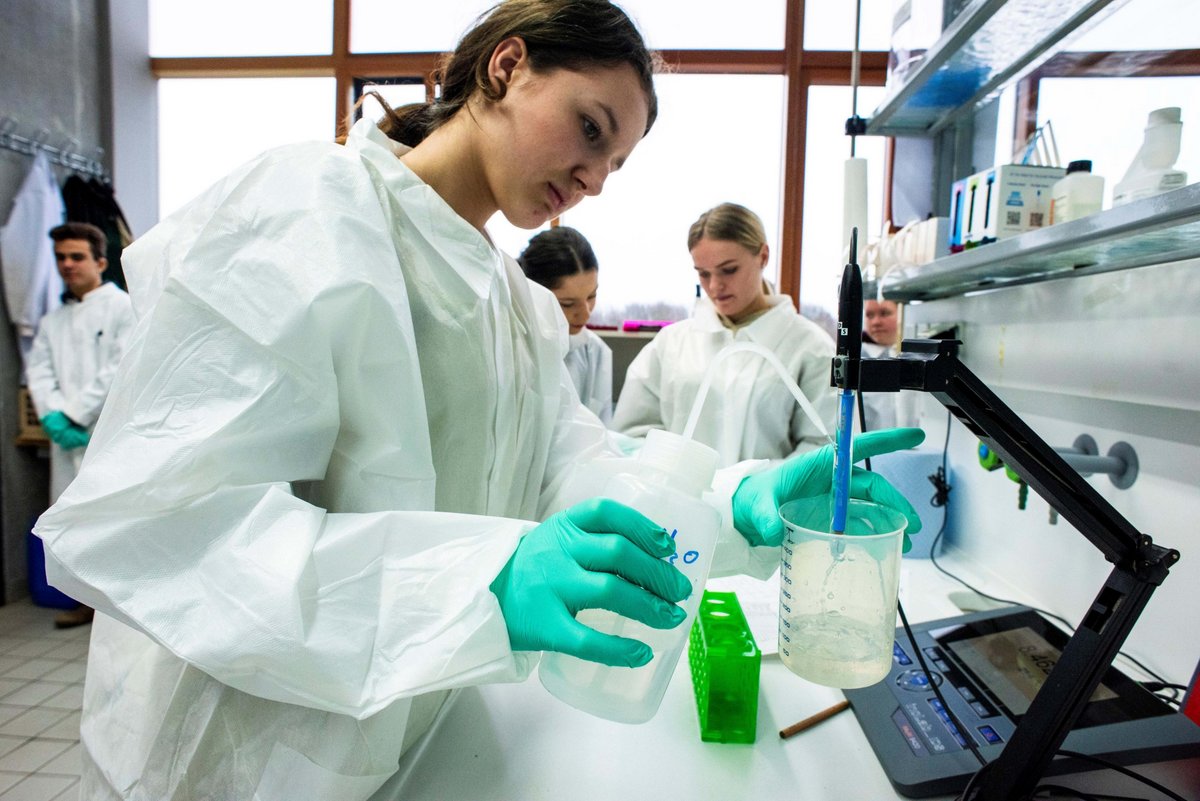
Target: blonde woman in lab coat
(748,413)
(311,506)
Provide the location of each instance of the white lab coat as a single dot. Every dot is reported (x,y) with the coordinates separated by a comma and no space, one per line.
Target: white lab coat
(32,285)
(338,414)
(589,362)
(749,413)
(72,363)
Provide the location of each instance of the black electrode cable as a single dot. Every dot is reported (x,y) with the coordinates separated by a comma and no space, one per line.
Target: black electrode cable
(1061,790)
(1009,602)
(1105,763)
(862,424)
(937,691)
(939,499)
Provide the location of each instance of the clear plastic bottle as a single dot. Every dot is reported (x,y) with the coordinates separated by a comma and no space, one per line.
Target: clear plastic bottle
(1152,170)
(665,482)
(1077,194)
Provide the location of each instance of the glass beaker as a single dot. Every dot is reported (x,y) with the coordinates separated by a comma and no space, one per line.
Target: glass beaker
(837,592)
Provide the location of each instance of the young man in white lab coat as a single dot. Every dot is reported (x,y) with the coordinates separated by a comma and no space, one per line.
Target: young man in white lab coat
(74,357)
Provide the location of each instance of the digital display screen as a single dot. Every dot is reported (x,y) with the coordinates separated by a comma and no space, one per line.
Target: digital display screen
(1014,664)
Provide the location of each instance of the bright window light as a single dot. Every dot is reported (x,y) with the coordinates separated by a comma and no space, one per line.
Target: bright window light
(709,24)
(1143,25)
(207,127)
(385,26)
(718,138)
(241,28)
(830,26)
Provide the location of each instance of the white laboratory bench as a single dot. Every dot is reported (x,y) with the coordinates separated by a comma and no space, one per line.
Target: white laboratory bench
(507,742)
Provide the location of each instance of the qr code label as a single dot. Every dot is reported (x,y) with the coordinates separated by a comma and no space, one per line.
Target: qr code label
(1012,218)
(1036,219)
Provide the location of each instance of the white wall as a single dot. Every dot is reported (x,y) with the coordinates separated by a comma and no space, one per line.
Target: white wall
(1109,355)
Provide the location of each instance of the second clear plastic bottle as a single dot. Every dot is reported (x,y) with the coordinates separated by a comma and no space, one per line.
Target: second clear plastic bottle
(665,483)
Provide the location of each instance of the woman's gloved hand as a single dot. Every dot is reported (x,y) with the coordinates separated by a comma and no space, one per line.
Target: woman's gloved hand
(55,424)
(758,498)
(76,436)
(598,554)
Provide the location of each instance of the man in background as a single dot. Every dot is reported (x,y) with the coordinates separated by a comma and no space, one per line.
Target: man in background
(881,338)
(74,357)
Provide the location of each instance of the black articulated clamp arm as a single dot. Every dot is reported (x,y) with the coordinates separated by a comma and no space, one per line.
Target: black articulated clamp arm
(932,365)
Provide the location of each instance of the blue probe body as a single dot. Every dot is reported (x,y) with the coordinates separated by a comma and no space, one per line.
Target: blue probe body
(843,458)
(845,376)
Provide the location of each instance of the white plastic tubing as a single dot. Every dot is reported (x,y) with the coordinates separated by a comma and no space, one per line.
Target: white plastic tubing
(773,360)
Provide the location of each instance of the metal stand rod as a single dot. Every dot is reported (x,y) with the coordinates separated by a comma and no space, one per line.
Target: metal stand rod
(1108,465)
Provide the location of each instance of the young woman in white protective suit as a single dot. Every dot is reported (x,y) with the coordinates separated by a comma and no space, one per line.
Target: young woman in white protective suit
(748,412)
(310,507)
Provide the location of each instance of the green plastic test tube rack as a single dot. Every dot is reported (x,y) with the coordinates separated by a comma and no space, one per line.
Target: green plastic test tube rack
(725,662)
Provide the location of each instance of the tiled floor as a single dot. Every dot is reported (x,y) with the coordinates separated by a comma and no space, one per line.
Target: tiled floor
(41,691)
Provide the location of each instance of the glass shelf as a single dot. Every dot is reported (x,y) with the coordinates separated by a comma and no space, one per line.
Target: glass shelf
(988,46)
(1154,230)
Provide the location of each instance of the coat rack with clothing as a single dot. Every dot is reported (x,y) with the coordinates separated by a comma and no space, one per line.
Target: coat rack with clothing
(68,155)
(87,194)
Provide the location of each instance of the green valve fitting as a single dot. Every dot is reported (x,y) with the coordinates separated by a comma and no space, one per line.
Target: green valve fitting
(988,458)
(725,663)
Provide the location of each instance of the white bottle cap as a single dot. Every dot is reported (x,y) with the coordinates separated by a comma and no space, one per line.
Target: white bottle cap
(687,464)
(1164,116)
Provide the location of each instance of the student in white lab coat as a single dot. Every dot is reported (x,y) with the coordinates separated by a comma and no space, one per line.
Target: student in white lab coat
(563,261)
(748,413)
(309,511)
(74,357)
(77,348)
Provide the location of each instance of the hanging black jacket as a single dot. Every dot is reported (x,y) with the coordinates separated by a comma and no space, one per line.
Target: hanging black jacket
(95,202)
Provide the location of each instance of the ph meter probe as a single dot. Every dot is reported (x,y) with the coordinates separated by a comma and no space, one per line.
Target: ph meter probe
(845,377)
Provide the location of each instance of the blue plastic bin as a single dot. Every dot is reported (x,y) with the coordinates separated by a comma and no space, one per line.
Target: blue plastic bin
(39,589)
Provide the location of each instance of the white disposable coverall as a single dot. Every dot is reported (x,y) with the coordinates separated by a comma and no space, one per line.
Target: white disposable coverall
(337,404)
(749,413)
(589,362)
(72,363)
(32,285)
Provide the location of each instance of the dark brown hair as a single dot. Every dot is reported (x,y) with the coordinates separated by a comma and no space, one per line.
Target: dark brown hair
(558,34)
(85,231)
(555,254)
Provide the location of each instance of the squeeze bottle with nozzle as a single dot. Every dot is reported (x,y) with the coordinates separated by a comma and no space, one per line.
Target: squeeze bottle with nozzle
(1152,170)
(665,482)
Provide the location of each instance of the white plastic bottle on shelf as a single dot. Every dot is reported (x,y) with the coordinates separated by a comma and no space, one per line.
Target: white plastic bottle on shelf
(1152,170)
(1077,194)
(665,482)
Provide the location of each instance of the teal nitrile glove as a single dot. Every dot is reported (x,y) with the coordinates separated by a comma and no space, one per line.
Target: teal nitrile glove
(54,424)
(758,498)
(598,554)
(76,436)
